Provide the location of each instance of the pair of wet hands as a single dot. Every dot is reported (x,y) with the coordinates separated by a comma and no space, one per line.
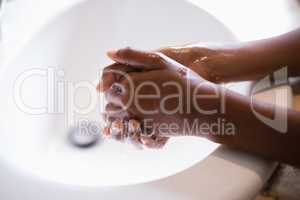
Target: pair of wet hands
(120,83)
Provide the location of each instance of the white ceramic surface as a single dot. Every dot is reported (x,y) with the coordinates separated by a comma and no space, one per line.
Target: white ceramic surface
(75,43)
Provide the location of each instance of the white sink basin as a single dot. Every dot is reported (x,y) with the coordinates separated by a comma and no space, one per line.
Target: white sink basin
(75,44)
(73,47)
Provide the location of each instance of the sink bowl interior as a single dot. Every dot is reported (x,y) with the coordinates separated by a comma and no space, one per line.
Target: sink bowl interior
(49,87)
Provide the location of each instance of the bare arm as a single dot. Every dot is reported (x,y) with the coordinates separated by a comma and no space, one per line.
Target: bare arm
(241,61)
(250,134)
(254,60)
(254,136)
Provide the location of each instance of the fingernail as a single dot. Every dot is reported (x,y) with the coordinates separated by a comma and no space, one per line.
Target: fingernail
(134,126)
(112,52)
(106,131)
(100,87)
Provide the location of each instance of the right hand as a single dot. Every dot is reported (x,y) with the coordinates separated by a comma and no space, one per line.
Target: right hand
(204,61)
(164,73)
(218,63)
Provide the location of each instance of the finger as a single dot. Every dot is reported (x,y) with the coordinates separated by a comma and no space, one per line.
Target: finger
(135,140)
(137,58)
(113,112)
(122,93)
(106,131)
(115,94)
(180,54)
(154,142)
(118,129)
(134,127)
(161,142)
(113,73)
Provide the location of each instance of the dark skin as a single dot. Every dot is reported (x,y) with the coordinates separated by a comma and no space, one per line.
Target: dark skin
(245,61)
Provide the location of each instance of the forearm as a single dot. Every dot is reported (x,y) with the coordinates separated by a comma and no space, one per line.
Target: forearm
(255,60)
(253,135)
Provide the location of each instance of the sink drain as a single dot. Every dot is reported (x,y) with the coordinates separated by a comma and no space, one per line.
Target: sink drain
(84,137)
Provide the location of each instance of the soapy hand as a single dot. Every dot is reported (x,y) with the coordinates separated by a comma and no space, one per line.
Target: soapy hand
(148,90)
